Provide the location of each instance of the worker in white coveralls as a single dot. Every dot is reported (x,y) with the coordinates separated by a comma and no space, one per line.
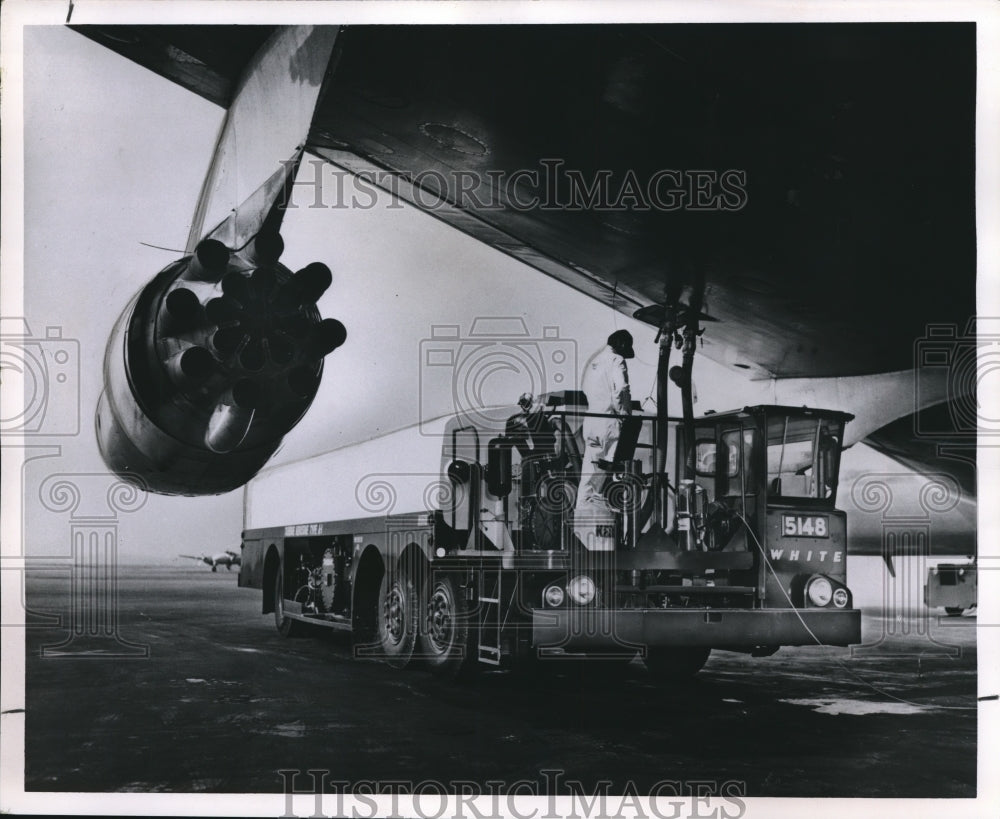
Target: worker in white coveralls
(605,382)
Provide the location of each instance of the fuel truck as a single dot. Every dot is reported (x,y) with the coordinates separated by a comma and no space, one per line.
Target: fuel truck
(491,562)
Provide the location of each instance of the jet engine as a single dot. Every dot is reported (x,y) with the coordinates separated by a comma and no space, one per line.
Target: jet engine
(211,364)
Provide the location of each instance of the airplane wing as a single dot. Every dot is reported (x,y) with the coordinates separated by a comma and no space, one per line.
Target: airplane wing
(582,152)
(821,178)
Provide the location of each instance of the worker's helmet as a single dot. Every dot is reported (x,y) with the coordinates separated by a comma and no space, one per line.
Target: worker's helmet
(621,342)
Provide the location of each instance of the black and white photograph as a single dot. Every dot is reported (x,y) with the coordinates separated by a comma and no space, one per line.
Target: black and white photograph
(484,409)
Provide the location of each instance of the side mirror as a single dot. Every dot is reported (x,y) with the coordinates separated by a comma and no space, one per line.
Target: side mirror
(499,467)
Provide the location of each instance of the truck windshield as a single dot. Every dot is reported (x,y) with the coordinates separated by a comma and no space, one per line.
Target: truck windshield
(803,456)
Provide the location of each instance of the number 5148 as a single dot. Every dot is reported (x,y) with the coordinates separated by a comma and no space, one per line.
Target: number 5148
(805,526)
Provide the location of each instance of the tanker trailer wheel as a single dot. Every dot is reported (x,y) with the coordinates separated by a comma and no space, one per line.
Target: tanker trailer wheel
(446,636)
(953,611)
(675,664)
(287,627)
(398,615)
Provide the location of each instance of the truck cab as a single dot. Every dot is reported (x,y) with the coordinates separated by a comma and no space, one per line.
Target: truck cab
(746,552)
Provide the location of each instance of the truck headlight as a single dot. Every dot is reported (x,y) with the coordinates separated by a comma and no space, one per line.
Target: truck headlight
(840,598)
(581,589)
(553,596)
(819,591)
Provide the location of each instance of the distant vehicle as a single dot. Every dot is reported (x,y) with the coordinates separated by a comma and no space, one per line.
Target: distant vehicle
(952,586)
(226,558)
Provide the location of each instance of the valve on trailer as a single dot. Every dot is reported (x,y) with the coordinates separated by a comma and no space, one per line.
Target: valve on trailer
(211,365)
(690,515)
(330,582)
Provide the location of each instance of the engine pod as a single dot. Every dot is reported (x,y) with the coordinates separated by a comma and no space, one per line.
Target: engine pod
(210,366)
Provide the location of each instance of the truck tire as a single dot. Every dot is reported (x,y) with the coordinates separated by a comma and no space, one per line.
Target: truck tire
(446,637)
(287,627)
(953,611)
(398,615)
(675,664)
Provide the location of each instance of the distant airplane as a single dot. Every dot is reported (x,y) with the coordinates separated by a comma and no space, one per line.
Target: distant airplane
(226,558)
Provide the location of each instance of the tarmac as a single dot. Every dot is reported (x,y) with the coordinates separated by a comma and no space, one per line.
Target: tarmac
(189,688)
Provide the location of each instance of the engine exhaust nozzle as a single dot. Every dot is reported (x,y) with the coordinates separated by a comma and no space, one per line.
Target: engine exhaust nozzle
(211,365)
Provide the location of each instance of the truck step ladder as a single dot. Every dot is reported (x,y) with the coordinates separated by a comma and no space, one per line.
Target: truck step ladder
(490,595)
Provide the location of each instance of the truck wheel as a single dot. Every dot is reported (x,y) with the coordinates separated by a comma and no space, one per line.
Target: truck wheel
(445,639)
(953,611)
(675,664)
(398,614)
(287,627)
